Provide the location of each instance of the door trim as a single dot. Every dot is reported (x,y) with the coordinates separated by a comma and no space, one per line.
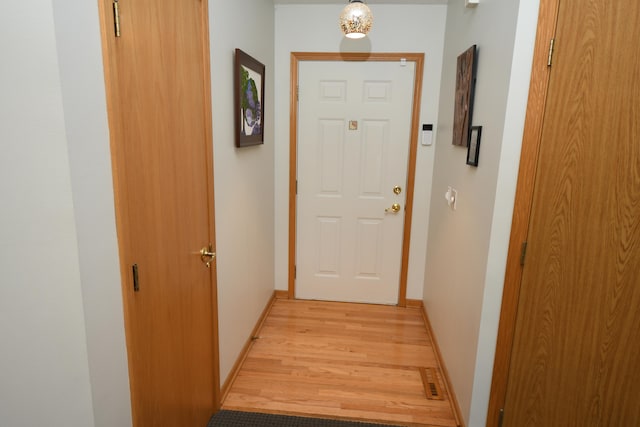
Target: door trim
(296,57)
(531,141)
(208,119)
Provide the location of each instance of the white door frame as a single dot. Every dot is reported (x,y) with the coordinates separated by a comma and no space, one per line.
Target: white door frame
(296,57)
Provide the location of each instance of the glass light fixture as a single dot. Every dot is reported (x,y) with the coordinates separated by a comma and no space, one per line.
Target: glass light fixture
(356,19)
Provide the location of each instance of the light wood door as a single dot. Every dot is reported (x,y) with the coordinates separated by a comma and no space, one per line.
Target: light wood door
(159,112)
(576,354)
(354,135)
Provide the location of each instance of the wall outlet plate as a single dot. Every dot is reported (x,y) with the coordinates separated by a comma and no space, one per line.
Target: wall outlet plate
(451,197)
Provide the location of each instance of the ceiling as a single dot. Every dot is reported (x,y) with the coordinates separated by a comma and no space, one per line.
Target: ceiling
(366,1)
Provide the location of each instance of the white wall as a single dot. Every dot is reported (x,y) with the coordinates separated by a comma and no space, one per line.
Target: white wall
(245,231)
(83,95)
(244,181)
(44,371)
(397,28)
(61,321)
(467,248)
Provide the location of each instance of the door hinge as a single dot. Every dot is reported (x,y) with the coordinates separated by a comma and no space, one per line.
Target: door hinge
(136,281)
(523,252)
(501,417)
(116,18)
(551,45)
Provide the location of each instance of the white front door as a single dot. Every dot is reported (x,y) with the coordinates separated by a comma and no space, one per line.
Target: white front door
(354,132)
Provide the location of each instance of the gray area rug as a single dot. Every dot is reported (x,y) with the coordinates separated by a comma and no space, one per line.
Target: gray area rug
(255,419)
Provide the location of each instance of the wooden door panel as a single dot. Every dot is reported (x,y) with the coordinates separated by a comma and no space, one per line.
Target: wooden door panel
(576,354)
(157,85)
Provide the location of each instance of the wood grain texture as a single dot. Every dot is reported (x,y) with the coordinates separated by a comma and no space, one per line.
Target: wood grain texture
(463,107)
(281,294)
(293,172)
(247,346)
(411,179)
(431,386)
(341,360)
(453,400)
(522,207)
(418,58)
(576,352)
(208,149)
(158,96)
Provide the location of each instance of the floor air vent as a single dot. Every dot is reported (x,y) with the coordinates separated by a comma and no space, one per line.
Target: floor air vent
(431,384)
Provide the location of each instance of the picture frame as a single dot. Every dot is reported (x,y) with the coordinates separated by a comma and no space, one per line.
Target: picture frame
(248,100)
(466,70)
(473,151)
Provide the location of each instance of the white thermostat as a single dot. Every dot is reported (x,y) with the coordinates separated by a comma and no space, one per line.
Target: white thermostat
(427,134)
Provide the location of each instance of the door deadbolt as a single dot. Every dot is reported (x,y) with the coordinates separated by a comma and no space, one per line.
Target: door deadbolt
(397,190)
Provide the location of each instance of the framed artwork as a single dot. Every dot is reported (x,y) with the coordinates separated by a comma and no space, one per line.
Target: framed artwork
(248,100)
(465,87)
(473,151)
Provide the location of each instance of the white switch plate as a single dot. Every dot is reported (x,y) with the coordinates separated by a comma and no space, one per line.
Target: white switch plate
(471,3)
(452,197)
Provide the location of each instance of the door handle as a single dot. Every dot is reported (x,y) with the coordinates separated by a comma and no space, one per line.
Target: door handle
(207,255)
(395,208)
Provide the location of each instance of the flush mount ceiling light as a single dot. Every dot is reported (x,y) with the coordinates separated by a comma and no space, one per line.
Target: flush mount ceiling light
(356,19)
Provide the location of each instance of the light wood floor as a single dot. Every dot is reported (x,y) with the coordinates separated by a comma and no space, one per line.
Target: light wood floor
(339,360)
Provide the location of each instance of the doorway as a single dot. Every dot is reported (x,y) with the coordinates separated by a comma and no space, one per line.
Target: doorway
(316,239)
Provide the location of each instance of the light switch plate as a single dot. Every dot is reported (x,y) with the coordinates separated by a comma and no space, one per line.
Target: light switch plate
(451,197)
(471,3)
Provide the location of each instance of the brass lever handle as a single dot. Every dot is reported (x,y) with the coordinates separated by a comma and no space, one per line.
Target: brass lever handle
(395,208)
(207,255)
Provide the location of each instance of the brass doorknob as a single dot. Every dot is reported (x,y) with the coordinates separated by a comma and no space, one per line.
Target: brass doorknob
(207,255)
(395,208)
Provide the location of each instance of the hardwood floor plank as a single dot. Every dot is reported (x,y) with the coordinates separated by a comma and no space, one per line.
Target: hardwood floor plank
(341,360)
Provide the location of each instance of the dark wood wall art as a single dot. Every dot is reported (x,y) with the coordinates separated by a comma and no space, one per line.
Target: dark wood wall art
(465,86)
(248,100)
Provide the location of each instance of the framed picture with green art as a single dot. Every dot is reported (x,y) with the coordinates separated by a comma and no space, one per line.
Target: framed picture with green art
(249,100)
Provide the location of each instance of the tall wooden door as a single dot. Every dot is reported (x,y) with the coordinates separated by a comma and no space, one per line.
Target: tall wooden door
(159,111)
(354,134)
(576,354)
